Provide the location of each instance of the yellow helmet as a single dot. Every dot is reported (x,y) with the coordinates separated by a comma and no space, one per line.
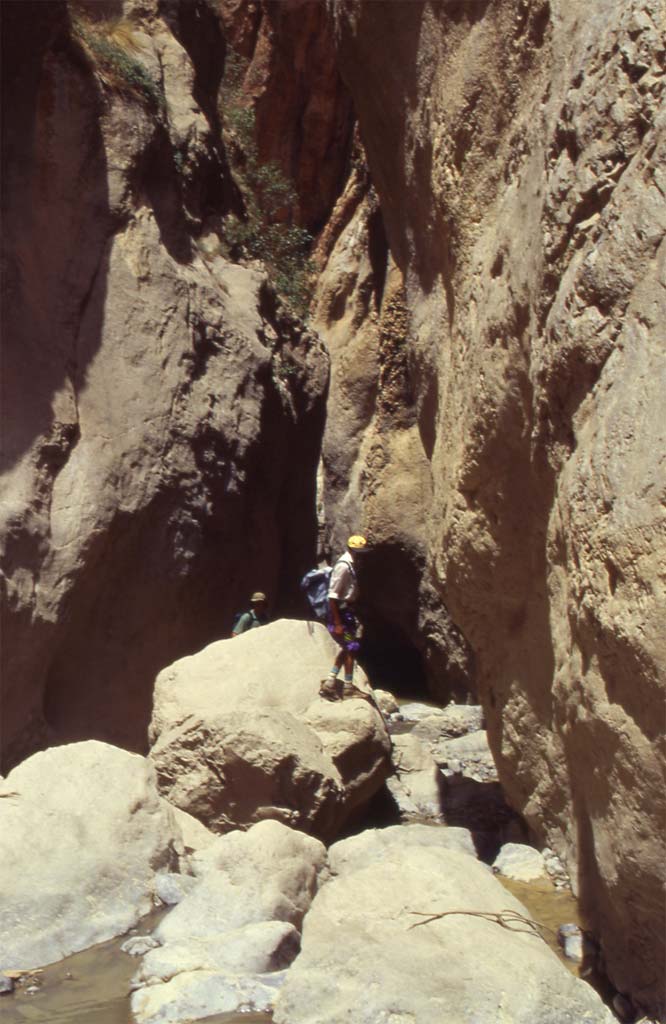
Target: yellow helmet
(356,542)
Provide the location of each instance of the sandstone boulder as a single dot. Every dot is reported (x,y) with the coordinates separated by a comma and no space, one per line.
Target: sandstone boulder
(84,836)
(416,785)
(240,733)
(225,947)
(520,863)
(366,961)
(451,721)
(374,846)
(195,835)
(414,711)
(469,753)
(387,702)
(202,994)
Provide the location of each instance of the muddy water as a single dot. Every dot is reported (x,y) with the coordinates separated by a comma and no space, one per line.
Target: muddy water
(550,908)
(91,987)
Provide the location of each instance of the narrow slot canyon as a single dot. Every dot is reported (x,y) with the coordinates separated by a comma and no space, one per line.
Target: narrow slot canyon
(287,283)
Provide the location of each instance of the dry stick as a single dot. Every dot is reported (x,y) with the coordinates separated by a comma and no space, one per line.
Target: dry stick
(506,918)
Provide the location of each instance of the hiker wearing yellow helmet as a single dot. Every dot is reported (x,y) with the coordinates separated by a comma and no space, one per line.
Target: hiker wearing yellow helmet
(343,625)
(257,615)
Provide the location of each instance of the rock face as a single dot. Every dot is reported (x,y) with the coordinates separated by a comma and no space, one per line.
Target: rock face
(517,151)
(83,836)
(445,773)
(240,734)
(493,297)
(375,473)
(367,962)
(157,400)
(302,108)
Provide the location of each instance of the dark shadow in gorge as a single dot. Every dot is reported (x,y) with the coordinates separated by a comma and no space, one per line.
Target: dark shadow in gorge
(480,807)
(55,216)
(390,660)
(389,578)
(56,223)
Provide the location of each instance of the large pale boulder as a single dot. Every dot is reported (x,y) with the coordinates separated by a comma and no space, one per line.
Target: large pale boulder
(366,961)
(470,751)
(240,733)
(224,948)
(195,835)
(201,994)
(83,836)
(374,846)
(451,721)
(518,153)
(520,863)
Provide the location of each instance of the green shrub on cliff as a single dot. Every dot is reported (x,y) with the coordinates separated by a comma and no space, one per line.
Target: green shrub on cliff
(110,45)
(266,232)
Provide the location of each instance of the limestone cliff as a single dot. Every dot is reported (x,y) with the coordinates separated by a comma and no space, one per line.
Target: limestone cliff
(375,472)
(292,83)
(162,411)
(517,150)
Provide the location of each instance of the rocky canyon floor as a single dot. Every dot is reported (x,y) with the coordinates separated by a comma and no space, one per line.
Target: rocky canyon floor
(267,919)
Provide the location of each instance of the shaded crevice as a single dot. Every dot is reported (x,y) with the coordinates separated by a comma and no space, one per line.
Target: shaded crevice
(378,251)
(197,28)
(155,175)
(482,808)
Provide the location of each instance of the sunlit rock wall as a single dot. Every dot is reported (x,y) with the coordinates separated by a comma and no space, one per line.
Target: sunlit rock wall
(292,83)
(517,150)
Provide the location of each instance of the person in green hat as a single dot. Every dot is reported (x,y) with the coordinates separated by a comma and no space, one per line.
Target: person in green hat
(256,616)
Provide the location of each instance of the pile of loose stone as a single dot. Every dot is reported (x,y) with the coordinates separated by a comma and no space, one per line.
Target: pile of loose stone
(445,774)
(438,750)
(402,922)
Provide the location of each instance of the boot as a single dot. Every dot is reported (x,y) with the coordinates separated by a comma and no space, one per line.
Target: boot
(331,688)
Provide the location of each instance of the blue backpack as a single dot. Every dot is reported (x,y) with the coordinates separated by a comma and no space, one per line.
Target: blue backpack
(315,587)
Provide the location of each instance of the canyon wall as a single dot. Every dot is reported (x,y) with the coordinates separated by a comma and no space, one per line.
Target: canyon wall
(162,410)
(375,472)
(517,151)
(304,124)
(291,81)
